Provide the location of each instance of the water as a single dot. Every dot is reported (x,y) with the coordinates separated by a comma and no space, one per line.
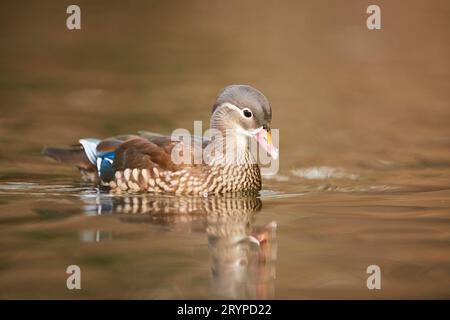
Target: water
(364,147)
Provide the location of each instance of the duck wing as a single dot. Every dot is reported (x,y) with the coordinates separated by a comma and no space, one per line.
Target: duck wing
(141,153)
(102,158)
(155,137)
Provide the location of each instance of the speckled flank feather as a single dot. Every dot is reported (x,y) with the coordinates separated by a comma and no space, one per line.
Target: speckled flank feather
(204,181)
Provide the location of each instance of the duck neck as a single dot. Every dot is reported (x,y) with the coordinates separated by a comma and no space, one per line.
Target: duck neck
(229,148)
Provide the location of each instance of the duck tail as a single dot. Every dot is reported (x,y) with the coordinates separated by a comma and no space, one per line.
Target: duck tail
(73,156)
(82,156)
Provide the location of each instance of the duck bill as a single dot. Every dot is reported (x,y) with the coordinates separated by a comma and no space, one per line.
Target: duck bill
(264,138)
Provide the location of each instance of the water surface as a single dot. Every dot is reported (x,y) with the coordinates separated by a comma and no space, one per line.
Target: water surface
(364,149)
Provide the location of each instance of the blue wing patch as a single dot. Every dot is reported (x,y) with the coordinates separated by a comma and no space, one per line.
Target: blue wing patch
(105,165)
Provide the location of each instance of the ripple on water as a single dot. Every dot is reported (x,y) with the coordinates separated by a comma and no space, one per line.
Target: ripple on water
(39,189)
(321,173)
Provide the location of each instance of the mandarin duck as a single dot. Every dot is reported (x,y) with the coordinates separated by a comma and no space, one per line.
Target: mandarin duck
(148,162)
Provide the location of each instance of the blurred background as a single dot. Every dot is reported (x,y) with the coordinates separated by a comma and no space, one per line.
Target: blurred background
(364,120)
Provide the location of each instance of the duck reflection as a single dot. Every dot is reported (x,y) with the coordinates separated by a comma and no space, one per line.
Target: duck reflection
(242,256)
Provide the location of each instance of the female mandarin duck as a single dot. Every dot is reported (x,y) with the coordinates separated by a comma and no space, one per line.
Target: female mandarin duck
(146,162)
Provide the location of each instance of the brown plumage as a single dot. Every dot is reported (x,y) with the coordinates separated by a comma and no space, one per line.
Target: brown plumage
(147,162)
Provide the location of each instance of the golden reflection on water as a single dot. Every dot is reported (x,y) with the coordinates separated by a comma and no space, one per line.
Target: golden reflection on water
(364,148)
(243,258)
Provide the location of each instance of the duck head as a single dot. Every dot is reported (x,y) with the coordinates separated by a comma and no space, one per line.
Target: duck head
(244,112)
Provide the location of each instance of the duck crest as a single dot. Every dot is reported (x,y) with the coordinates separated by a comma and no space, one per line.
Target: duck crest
(145,163)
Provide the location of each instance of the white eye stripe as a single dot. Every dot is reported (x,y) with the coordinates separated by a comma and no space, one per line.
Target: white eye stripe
(241,111)
(229,106)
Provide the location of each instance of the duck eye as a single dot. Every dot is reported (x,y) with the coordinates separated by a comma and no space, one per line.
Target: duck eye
(247,113)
